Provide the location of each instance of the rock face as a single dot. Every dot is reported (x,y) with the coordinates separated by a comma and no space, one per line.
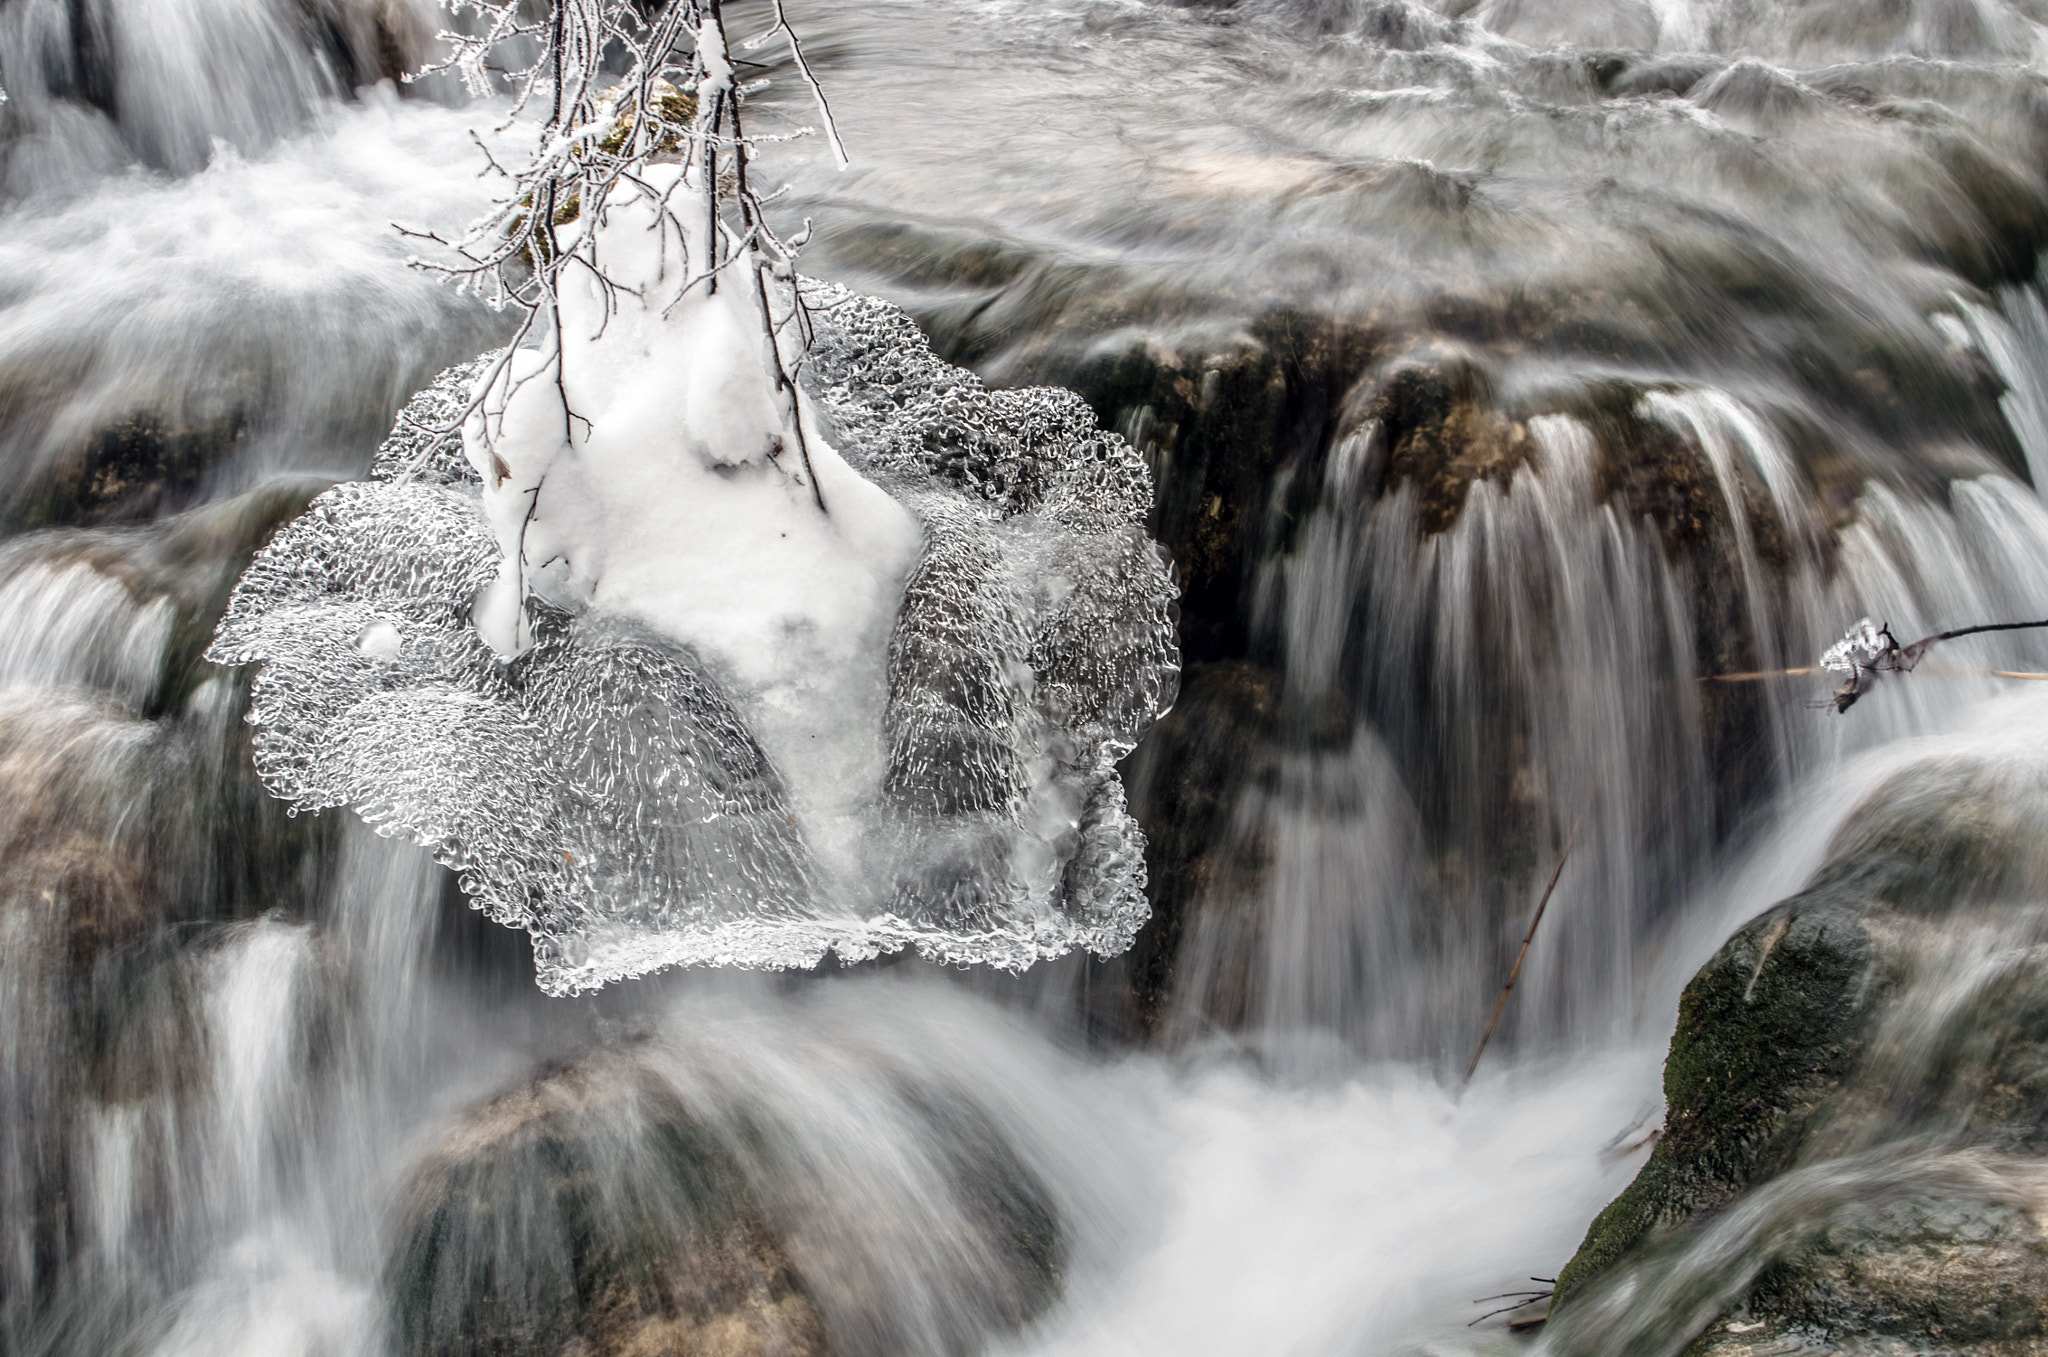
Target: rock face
(586,1213)
(1858,1106)
(622,1206)
(135,846)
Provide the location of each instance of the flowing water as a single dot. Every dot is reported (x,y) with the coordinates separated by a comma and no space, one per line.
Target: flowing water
(1572,353)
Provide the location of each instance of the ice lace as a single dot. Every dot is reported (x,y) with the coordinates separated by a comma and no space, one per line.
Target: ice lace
(603,793)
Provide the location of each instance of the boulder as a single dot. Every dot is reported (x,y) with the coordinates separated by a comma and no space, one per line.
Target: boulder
(1857,1093)
(587,1215)
(633,1203)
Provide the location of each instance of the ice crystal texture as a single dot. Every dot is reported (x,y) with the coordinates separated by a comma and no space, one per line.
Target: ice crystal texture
(603,790)
(1859,649)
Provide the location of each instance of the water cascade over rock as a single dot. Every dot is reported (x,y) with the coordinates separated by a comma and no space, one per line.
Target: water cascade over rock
(1856,1117)
(1520,394)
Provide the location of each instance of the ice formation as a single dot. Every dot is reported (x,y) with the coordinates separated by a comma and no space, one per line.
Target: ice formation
(665,692)
(1863,646)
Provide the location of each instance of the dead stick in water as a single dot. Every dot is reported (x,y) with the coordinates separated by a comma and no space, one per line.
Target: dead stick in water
(1753,675)
(1515,972)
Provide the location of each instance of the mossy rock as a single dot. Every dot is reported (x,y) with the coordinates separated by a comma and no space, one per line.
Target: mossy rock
(1444,435)
(1846,1030)
(1766,1032)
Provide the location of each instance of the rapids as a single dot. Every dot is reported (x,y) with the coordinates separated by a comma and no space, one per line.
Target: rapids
(1508,372)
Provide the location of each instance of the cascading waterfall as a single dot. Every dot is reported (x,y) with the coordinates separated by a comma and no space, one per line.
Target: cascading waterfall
(1535,664)
(1519,412)
(94,84)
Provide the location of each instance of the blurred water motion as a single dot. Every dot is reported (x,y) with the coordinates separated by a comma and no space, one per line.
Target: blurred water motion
(1508,370)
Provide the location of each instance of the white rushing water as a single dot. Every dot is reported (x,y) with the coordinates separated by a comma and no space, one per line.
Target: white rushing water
(238,1053)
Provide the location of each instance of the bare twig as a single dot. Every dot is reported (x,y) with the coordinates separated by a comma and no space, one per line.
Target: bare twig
(1515,972)
(1535,1298)
(1939,670)
(1528,1298)
(1758,675)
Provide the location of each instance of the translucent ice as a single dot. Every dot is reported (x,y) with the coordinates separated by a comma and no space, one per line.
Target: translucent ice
(611,788)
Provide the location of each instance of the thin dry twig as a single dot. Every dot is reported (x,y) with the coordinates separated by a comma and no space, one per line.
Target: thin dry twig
(1529,1298)
(1515,972)
(1939,670)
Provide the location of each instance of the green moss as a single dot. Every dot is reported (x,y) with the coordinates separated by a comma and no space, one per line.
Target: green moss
(1765,1031)
(675,110)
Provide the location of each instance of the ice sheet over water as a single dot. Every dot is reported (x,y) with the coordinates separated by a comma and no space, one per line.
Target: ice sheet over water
(605,793)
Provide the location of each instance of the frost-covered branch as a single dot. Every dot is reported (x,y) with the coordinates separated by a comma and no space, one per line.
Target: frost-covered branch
(636,196)
(803,65)
(1870,650)
(675,98)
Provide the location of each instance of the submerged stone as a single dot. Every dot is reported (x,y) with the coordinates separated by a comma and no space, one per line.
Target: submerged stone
(587,1212)
(620,1206)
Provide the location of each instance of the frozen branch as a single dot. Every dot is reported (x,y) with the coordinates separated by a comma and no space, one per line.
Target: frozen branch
(1870,650)
(803,65)
(678,99)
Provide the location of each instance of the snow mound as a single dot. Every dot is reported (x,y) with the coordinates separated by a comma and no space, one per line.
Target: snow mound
(636,796)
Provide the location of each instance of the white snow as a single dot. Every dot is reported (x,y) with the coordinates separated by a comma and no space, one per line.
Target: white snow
(676,495)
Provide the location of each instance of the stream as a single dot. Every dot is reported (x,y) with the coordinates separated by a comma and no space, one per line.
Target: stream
(1510,373)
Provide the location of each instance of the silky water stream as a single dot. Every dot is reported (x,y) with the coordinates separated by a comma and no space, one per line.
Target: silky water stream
(1507,372)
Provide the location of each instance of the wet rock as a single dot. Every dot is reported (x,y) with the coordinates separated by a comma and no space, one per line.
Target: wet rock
(1859,1081)
(1997,225)
(125,616)
(96,895)
(1235,434)
(588,1214)
(1648,470)
(1185,780)
(196,559)
(1443,434)
(1766,1032)
(142,466)
(1676,76)
(368,43)
(70,771)
(1926,1267)
(1224,427)
(1628,24)
(131,826)
(1392,24)
(1759,96)
(599,1211)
